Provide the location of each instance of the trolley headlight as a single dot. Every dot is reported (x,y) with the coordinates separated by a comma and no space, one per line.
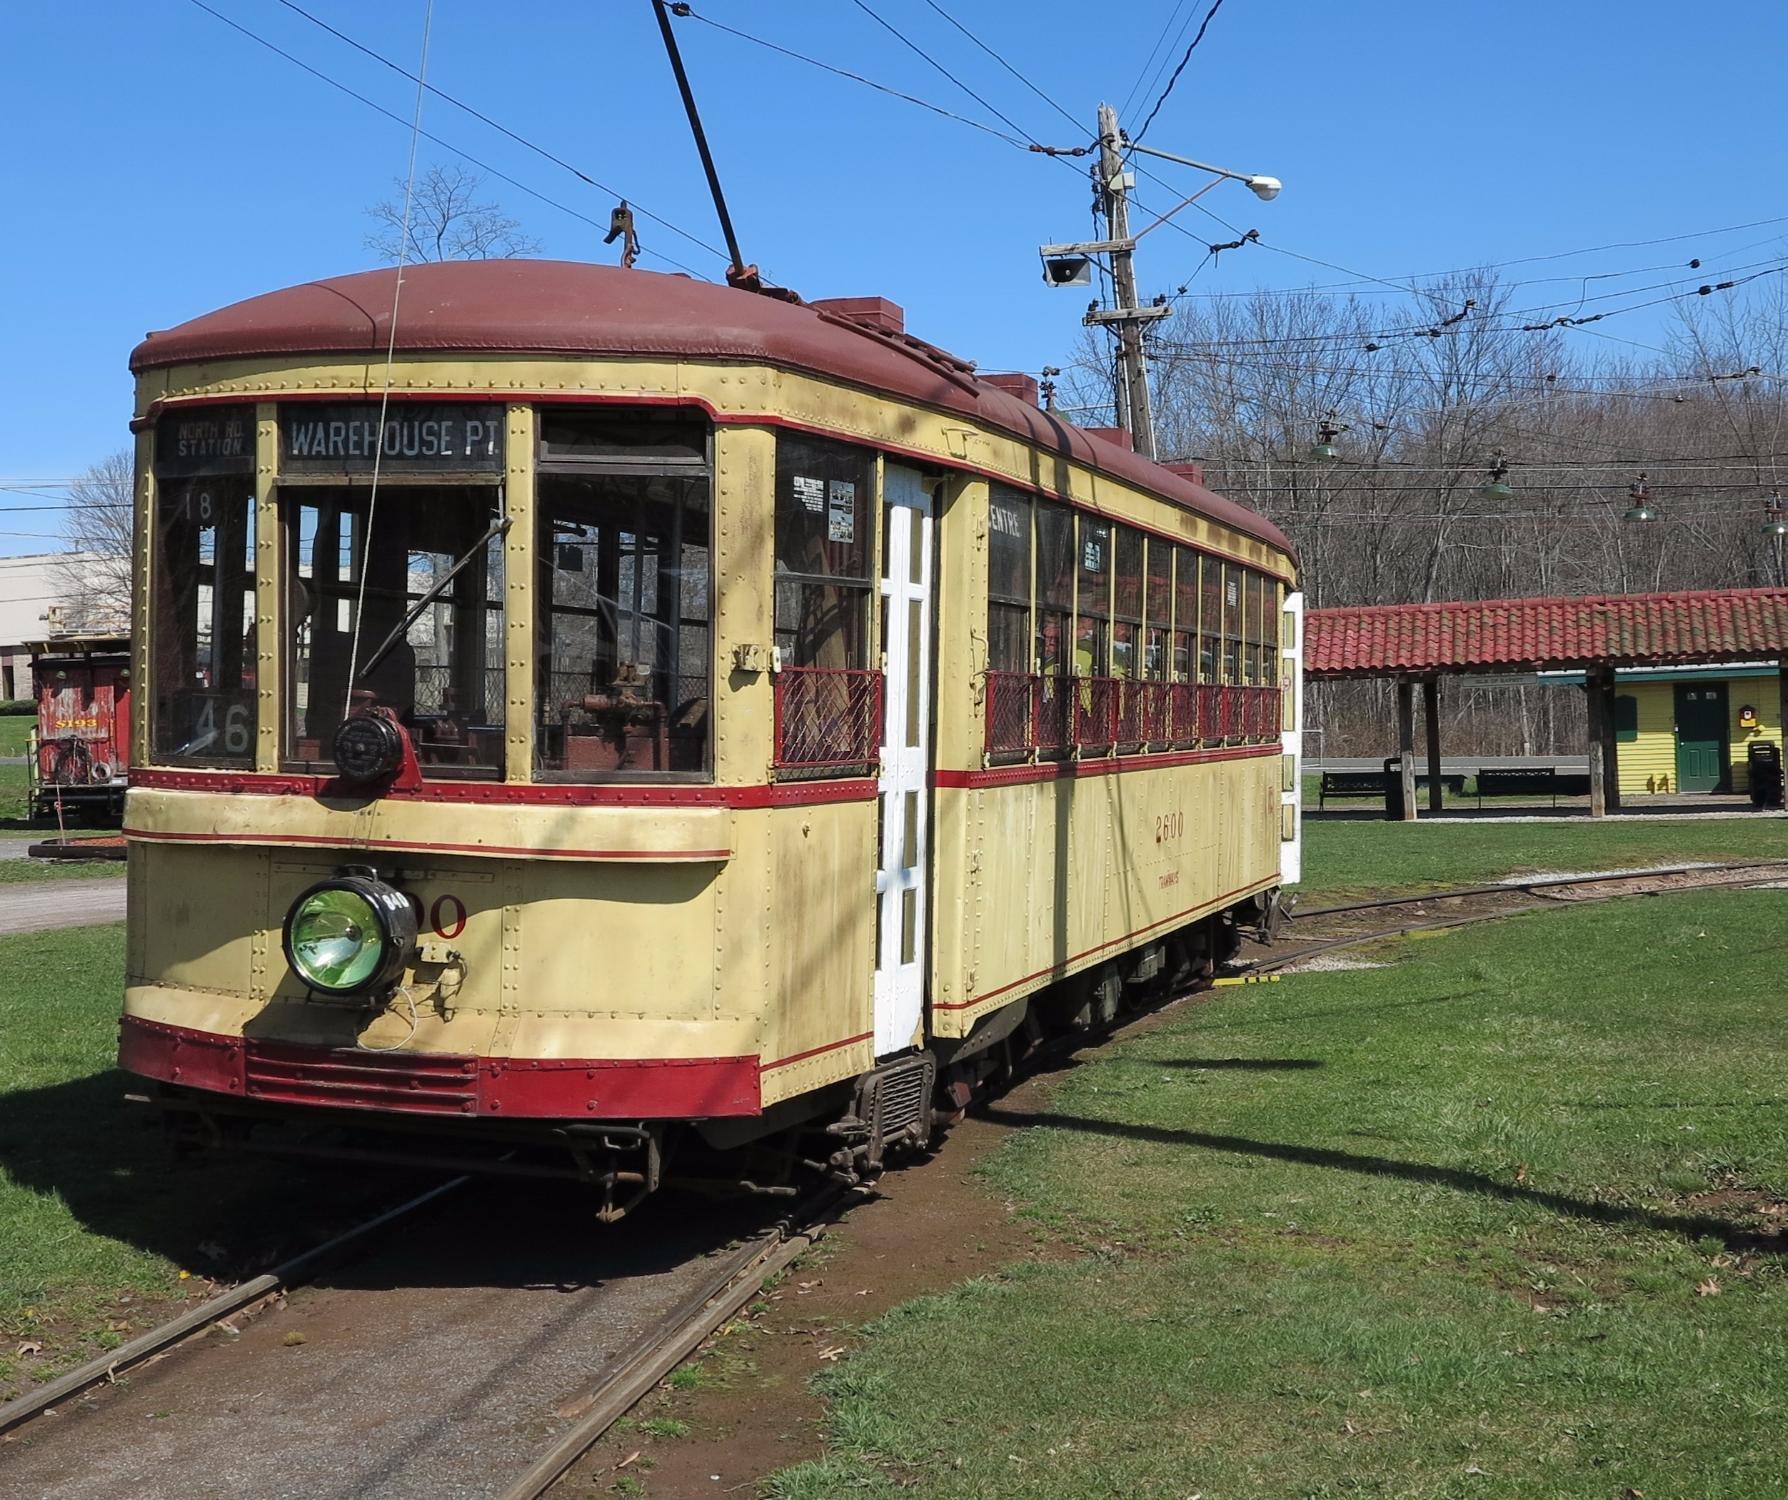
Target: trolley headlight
(368,747)
(349,934)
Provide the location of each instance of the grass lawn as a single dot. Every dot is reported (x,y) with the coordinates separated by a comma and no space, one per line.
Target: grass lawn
(1500,1219)
(14,729)
(14,827)
(1344,858)
(96,1222)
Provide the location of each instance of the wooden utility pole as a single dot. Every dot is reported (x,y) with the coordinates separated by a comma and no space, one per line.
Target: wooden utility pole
(1134,410)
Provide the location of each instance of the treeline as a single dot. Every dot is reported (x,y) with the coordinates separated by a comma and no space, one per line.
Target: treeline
(1487,447)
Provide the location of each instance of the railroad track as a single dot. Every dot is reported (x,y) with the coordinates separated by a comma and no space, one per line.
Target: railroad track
(1488,903)
(550,1407)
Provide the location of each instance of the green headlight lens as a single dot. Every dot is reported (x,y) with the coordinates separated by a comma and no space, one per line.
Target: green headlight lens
(336,940)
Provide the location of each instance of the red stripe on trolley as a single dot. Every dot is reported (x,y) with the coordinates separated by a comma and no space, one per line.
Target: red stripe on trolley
(1055,968)
(424,846)
(1104,765)
(512,794)
(849,1041)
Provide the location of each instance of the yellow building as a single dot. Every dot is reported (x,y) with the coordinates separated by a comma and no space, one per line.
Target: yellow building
(1689,729)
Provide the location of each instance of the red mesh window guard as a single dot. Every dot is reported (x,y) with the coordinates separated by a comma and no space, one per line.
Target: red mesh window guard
(1011,721)
(1229,714)
(1153,711)
(1053,704)
(828,718)
(1182,712)
(1210,716)
(1096,712)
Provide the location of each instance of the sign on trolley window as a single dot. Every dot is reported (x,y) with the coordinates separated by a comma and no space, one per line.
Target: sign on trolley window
(203,628)
(413,437)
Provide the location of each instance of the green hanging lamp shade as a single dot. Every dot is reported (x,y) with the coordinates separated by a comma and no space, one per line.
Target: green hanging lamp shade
(1641,508)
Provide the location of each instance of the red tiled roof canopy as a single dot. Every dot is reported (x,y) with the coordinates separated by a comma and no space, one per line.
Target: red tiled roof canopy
(504,307)
(1524,635)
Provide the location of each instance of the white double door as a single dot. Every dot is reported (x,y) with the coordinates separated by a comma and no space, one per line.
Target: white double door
(900,879)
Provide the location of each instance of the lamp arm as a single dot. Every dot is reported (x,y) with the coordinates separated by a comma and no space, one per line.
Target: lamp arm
(1186,161)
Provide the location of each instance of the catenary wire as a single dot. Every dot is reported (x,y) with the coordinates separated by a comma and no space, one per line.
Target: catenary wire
(1022,77)
(445,145)
(913,46)
(1216,5)
(499,127)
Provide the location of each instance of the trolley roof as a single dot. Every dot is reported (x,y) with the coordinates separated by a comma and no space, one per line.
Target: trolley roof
(571,308)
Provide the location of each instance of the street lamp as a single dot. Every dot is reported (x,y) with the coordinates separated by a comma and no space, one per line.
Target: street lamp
(1641,508)
(1497,486)
(1323,450)
(1258,183)
(1775,516)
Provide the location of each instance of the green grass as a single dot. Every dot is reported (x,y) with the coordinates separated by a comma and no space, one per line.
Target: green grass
(14,730)
(15,826)
(1488,1221)
(96,1221)
(1345,858)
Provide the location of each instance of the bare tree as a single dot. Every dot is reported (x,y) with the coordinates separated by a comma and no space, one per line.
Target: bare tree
(96,576)
(447,222)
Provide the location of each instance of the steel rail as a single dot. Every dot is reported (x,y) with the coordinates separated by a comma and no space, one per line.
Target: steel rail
(288,1273)
(1267,965)
(677,1335)
(1539,882)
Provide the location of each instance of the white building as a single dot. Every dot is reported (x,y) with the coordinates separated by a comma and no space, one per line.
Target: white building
(40,596)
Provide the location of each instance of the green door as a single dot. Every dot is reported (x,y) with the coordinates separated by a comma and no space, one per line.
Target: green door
(1700,736)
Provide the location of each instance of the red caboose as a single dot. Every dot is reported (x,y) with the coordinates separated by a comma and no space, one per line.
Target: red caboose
(81,753)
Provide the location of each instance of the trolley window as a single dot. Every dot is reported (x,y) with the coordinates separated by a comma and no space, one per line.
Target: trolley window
(1260,611)
(1092,625)
(1126,624)
(822,551)
(354,572)
(1008,580)
(1232,623)
(1185,612)
(1055,587)
(1210,620)
(1157,606)
(623,648)
(203,641)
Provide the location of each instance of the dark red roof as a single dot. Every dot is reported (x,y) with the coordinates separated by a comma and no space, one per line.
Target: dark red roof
(567,307)
(1514,635)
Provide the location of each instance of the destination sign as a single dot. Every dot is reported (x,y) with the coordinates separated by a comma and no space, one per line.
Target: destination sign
(452,437)
(204,441)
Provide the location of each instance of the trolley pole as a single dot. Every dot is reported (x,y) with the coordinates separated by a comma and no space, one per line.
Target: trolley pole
(1114,199)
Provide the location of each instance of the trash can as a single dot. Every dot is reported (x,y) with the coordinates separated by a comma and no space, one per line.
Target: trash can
(1393,789)
(1765,762)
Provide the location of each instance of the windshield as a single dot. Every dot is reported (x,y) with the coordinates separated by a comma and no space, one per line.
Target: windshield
(443,676)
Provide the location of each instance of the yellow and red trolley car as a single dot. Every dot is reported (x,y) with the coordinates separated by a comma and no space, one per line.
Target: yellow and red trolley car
(617,719)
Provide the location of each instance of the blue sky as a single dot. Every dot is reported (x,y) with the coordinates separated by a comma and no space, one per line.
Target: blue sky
(160,164)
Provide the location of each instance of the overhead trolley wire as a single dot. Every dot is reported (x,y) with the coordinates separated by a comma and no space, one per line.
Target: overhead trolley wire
(1216,5)
(1143,72)
(690,13)
(447,145)
(1023,78)
(913,46)
(502,129)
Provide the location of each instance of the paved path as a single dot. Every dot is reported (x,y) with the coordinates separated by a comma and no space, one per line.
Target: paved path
(37,906)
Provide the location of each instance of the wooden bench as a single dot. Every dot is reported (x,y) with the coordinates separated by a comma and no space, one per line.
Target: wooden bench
(1350,784)
(1372,784)
(1546,781)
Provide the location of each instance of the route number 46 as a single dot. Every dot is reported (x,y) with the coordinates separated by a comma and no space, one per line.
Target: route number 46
(236,734)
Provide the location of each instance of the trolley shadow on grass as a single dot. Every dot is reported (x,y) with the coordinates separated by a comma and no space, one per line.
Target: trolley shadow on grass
(1735,1237)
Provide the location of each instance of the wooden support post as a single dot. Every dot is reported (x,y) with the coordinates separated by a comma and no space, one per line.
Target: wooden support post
(1596,703)
(1406,753)
(1610,744)
(1431,716)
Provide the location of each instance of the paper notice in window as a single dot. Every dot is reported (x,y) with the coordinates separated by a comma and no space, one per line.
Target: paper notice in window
(811,493)
(841,516)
